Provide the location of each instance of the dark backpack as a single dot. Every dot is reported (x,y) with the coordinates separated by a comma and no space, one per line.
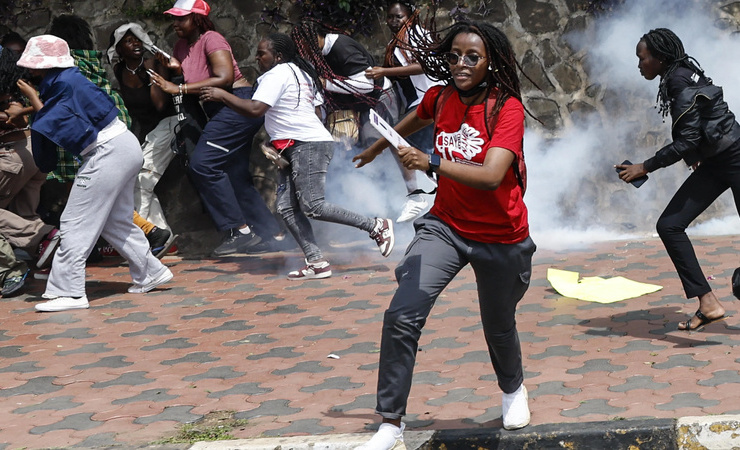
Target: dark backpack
(520,168)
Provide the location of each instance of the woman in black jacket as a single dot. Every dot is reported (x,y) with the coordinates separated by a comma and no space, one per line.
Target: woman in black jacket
(706,136)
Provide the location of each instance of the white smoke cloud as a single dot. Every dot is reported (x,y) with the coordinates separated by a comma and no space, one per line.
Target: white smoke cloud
(574,195)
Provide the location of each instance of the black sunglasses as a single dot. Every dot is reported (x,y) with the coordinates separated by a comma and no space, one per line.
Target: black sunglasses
(468,60)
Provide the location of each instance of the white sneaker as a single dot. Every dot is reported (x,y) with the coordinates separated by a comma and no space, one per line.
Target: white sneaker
(311,271)
(63,304)
(515,408)
(383,235)
(412,208)
(388,437)
(162,278)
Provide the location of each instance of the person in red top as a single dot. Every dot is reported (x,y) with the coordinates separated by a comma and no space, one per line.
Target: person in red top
(219,164)
(478,218)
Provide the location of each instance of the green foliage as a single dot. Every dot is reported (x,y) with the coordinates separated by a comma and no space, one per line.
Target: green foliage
(356,17)
(192,433)
(151,10)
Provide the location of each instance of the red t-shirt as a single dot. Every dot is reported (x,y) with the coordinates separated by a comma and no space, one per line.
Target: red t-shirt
(194,59)
(497,216)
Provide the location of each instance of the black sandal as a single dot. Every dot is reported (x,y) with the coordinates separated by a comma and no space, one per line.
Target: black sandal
(736,283)
(703,320)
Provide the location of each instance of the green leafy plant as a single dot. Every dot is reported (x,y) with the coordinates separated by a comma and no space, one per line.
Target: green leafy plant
(152,10)
(356,17)
(216,426)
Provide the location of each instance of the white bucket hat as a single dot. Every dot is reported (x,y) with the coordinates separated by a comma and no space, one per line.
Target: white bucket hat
(121,31)
(46,52)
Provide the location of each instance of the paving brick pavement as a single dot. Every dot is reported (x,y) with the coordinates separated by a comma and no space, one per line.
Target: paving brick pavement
(235,335)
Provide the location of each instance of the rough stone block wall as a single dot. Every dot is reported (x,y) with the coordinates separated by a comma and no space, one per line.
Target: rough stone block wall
(559,91)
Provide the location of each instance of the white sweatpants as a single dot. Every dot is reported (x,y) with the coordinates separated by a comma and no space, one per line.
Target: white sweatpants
(101,203)
(157,156)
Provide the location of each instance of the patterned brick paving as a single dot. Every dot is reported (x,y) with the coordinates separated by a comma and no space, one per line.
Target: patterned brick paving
(234,334)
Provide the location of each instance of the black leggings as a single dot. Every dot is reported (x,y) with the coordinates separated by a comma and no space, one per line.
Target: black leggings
(696,194)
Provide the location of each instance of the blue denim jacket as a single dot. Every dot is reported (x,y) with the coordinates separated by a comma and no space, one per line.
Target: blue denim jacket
(74,112)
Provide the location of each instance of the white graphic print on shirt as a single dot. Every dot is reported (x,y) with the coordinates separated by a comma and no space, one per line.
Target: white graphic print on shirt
(461,145)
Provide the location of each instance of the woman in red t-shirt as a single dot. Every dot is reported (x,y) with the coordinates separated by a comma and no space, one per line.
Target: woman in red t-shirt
(478,217)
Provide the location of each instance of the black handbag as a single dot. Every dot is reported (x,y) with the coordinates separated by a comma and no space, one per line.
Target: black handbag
(190,122)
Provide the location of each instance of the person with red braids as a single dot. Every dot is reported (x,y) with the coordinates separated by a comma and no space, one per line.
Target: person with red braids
(410,84)
(341,63)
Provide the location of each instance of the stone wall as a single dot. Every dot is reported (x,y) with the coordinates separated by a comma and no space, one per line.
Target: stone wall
(560,92)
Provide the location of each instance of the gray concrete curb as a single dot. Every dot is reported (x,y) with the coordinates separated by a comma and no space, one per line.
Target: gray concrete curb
(413,440)
(706,432)
(712,432)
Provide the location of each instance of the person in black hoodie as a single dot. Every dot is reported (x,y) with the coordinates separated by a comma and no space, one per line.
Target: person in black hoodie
(341,63)
(707,137)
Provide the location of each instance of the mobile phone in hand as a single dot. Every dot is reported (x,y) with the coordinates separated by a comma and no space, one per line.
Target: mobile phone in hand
(159,50)
(637,182)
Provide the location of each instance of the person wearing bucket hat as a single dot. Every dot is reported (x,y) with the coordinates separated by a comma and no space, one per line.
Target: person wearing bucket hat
(219,164)
(152,113)
(73,113)
(77,33)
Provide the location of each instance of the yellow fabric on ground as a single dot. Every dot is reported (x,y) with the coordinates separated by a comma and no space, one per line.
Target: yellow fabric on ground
(597,289)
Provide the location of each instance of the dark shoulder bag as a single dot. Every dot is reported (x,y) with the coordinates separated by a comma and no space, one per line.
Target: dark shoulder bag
(190,122)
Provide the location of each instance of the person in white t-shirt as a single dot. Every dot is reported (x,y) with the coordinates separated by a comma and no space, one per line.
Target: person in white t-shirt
(287,96)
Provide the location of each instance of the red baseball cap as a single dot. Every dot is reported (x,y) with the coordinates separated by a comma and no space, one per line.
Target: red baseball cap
(185,7)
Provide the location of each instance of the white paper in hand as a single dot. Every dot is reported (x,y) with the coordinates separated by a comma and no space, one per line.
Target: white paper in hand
(391,135)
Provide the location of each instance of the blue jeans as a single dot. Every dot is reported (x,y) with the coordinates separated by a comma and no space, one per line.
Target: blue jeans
(219,168)
(300,196)
(432,259)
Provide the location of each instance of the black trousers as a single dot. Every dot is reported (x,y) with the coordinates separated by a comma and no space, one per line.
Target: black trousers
(433,258)
(696,194)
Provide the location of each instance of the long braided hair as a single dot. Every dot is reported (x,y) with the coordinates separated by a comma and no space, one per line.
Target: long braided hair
(284,46)
(502,72)
(664,45)
(10,73)
(203,23)
(306,37)
(401,39)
